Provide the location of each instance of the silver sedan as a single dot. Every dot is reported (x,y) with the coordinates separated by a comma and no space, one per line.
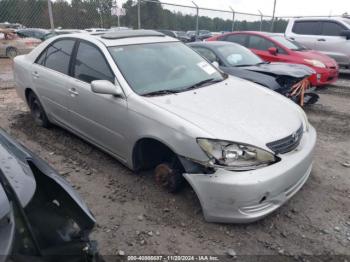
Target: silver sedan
(153,103)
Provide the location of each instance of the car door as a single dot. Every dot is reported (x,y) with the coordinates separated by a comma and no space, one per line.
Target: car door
(50,77)
(99,118)
(260,45)
(306,32)
(331,43)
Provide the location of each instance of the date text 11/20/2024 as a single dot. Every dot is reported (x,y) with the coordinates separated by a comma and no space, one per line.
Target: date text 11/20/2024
(173,258)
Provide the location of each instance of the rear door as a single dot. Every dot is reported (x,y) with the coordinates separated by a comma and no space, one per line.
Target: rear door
(331,43)
(306,32)
(100,118)
(50,76)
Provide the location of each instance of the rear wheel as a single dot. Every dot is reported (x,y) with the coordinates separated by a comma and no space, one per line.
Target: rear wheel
(169,176)
(37,111)
(11,52)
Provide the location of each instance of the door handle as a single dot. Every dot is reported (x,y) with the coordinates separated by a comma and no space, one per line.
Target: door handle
(35,74)
(292,38)
(321,40)
(73,91)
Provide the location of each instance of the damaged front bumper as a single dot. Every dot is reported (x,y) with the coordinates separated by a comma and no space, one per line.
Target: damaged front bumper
(242,197)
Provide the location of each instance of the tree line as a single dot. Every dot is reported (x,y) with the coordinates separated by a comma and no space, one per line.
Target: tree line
(82,14)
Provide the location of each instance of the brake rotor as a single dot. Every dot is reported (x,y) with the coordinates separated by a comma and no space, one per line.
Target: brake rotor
(168,177)
(163,174)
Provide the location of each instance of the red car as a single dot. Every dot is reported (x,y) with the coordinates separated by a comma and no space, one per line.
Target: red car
(273,47)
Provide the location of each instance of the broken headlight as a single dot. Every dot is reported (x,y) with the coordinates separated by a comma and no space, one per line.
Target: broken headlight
(235,156)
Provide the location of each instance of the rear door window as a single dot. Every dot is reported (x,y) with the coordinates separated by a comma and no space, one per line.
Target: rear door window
(57,56)
(307,28)
(91,65)
(259,43)
(331,28)
(238,39)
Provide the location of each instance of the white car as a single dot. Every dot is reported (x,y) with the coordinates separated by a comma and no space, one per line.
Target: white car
(154,103)
(329,35)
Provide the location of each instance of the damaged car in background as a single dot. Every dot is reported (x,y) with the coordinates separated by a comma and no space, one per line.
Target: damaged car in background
(155,104)
(41,216)
(290,80)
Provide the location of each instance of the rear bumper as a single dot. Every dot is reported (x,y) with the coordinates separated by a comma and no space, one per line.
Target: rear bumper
(243,197)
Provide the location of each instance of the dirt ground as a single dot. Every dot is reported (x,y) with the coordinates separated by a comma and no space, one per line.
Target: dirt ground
(136,217)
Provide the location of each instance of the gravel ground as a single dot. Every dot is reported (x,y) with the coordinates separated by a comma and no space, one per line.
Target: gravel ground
(136,217)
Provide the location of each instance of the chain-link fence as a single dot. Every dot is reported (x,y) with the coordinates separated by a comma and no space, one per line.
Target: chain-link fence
(148,14)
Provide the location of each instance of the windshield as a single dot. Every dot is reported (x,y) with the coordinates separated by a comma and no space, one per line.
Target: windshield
(346,20)
(236,55)
(173,66)
(289,43)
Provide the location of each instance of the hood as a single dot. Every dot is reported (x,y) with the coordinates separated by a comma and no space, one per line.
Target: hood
(311,54)
(234,110)
(256,77)
(282,69)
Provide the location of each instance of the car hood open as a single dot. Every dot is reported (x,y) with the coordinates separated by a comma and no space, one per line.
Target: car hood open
(235,110)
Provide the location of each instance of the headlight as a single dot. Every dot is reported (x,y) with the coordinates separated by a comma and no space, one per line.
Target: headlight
(235,156)
(315,63)
(306,123)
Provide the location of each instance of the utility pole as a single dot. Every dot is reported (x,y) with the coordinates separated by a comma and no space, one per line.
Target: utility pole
(233,19)
(197,19)
(261,19)
(273,15)
(139,14)
(49,7)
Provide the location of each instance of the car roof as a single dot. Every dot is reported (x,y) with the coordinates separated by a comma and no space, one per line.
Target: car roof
(317,18)
(124,37)
(212,43)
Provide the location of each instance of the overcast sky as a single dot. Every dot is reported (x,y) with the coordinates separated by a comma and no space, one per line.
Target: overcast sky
(284,7)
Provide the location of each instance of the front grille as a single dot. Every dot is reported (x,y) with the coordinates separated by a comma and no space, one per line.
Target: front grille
(288,143)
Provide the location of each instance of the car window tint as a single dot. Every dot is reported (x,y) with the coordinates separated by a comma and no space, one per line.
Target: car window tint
(58,56)
(331,28)
(306,28)
(239,39)
(205,52)
(90,64)
(259,43)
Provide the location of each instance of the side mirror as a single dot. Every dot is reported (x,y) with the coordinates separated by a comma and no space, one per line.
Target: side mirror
(216,64)
(345,33)
(272,50)
(106,87)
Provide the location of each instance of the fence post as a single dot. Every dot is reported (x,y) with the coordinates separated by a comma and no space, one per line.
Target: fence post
(139,14)
(273,15)
(197,19)
(233,19)
(261,19)
(49,7)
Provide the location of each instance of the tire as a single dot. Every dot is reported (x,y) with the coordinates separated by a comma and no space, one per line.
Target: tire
(169,177)
(37,111)
(11,52)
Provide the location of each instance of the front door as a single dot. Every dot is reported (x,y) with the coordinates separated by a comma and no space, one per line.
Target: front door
(100,118)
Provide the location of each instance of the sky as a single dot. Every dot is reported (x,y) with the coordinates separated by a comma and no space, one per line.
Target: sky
(283,8)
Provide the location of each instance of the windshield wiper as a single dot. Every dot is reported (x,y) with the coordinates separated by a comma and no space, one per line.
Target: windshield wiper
(202,83)
(161,92)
